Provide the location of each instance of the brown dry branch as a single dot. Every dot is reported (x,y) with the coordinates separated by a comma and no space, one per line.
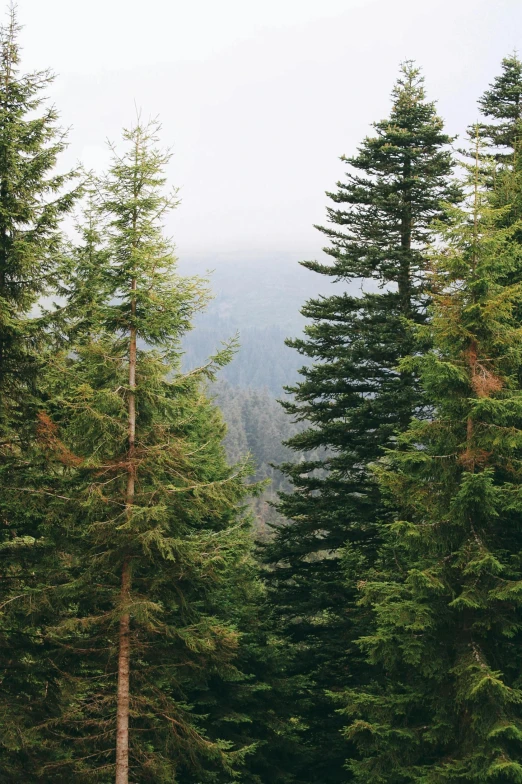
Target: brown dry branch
(483,381)
(47,434)
(473,457)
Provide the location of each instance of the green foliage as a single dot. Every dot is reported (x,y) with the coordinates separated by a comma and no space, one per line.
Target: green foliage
(32,203)
(185,535)
(502,103)
(353,400)
(256,425)
(389,627)
(33,200)
(503,137)
(445,703)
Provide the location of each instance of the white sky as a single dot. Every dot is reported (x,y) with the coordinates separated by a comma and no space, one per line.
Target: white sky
(258,98)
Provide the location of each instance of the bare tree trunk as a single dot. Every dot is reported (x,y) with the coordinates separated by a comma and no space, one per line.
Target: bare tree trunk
(123,697)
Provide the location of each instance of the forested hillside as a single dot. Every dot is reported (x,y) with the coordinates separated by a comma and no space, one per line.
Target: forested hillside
(260,300)
(202,584)
(258,426)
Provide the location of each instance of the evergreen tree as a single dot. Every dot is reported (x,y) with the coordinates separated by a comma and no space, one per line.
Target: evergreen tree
(354,401)
(144,509)
(32,204)
(445,704)
(502,103)
(33,200)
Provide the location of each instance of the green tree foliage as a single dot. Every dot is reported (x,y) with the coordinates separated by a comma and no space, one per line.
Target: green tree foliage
(136,641)
(445,704)
(33,200)
(155,566)
(32,203)
(257,426)
(502,104)
(353,401)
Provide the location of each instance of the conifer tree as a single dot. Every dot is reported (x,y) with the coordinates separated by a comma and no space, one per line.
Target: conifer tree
(502,104)
(354,401)
(144,508)
(32,204)
(33,201)
(445,704)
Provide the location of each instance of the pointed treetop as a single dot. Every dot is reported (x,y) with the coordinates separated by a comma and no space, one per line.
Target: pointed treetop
(503,104)
(409,86)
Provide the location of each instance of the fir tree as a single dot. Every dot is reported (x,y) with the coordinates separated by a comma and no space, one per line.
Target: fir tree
(33,200)
(354,401)
(32,204)
(502,103)
(502,139)
(144,510)
(445,702)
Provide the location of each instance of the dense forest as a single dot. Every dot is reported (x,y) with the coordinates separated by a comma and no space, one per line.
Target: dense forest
(291,556)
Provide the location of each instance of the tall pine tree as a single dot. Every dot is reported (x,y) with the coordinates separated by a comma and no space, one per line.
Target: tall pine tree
(354,401)
(144,510)
(445,702)
(33,200)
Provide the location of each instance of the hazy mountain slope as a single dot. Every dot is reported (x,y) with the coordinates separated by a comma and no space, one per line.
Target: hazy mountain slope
(257,425)
(259,298)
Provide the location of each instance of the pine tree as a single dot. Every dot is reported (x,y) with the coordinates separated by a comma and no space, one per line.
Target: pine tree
(502,103)
(144,509)
(354,401)
(445,702)
(32,204)
(33,201)
(503,137)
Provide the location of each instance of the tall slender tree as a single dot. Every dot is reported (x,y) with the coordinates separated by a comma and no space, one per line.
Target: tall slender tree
(446,591)
(354,401)
(146,512)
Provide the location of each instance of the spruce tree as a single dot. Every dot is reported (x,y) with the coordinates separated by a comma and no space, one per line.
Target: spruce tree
(445,703)
(354,401)
(144,509)
(502,138)
(502,105)
(32,203)
(33,200)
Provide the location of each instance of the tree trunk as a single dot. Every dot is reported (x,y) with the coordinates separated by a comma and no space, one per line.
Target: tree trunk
(404,280)
(123,697)
(122,726)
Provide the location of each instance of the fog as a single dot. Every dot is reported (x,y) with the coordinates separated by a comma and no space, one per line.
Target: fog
(257,99)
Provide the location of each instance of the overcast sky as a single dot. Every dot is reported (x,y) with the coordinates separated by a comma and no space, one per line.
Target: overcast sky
(257,98)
